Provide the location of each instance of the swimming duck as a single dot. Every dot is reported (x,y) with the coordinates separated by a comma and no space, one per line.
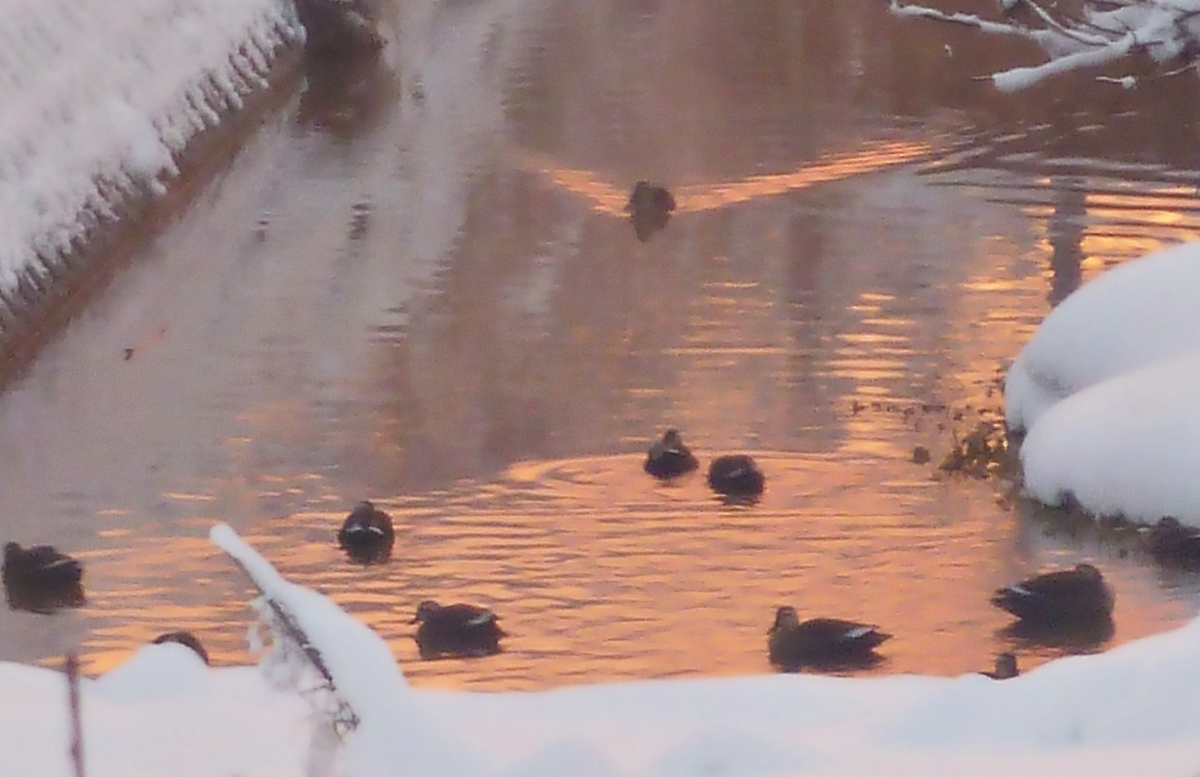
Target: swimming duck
(1170,542)
(40,579)
(1006,667)
(736,475)
(649,208)
(821,642)
(1063,597)
(669,457)
(185,638)
(366,534)
(462,630)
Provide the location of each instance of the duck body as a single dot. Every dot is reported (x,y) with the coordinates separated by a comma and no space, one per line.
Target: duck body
(41,579)
(821,642)
(185,638)
(650,206)
(461,630)
(1172,543)
(367,535)
(1006,667)
(736,475)
(669,458)
(1064,597)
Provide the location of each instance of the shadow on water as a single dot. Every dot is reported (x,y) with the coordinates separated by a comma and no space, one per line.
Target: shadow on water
(442,307)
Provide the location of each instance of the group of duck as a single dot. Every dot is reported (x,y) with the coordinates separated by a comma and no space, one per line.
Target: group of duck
(41,579)
(1060,600)
(466,630)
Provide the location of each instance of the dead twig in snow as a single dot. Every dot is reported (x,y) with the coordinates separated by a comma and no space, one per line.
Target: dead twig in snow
(76,715)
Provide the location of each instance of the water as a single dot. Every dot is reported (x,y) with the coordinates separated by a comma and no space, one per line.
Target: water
(421,289)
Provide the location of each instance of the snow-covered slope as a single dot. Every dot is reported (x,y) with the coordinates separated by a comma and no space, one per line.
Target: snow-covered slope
(98,96)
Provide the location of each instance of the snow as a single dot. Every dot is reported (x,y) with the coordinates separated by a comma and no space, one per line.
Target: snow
(1127,711)
(1106,391)
(1087,37)
(100,98)
(1135,315)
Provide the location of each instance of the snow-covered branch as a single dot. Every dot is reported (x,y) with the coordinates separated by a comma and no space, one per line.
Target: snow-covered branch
(1166,31)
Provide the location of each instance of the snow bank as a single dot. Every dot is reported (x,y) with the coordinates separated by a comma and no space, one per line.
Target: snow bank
(163,712)
(1125,446)
(1140,313)
(365,676)
(97,98)
(1129,711)
(1106,390)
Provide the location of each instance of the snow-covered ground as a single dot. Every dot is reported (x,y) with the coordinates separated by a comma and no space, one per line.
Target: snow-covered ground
(1129,711)
(98,97)
(1107,388)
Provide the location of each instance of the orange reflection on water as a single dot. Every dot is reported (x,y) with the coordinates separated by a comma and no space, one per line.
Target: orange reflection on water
(691,198)
(600,573)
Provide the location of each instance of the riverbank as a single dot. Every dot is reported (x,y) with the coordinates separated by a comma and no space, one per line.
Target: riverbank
(114,119)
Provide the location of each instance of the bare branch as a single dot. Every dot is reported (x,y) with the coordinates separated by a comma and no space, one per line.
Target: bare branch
(72,668)
(1166,30)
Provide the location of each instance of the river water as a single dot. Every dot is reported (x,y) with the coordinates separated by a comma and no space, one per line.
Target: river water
(415,283)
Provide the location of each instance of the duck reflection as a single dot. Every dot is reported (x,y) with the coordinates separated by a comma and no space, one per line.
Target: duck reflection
(346,96)
(341,28)
(1078,637)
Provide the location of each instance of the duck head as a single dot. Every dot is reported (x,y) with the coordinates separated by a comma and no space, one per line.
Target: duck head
(785,618)
(425,610)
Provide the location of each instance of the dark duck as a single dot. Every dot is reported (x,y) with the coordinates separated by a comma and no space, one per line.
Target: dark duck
(821,643)
(40,579)
(736,476)
(1063,598)
(1172,543)
(461,630)
(669,457)
(649,208)
(1005,669)
(366,534)
(185,638)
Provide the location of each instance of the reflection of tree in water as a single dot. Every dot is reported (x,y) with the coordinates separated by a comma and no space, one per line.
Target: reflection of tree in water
(1066,231)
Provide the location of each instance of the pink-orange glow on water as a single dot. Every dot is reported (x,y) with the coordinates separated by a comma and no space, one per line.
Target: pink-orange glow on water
(442,306)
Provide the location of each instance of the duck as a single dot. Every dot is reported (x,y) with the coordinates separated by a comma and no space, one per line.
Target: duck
(185,638)
(1061,598)
(462,630)
(650,206)
(821,642)
(669,457)
(366,534)
(736,475)
(1171,542)
(41,579)
(1006,667)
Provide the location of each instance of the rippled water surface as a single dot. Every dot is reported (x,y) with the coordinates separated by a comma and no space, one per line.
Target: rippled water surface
(416,283)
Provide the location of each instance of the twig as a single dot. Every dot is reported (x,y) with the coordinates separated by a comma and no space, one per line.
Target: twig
(292,633)
(76,717)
